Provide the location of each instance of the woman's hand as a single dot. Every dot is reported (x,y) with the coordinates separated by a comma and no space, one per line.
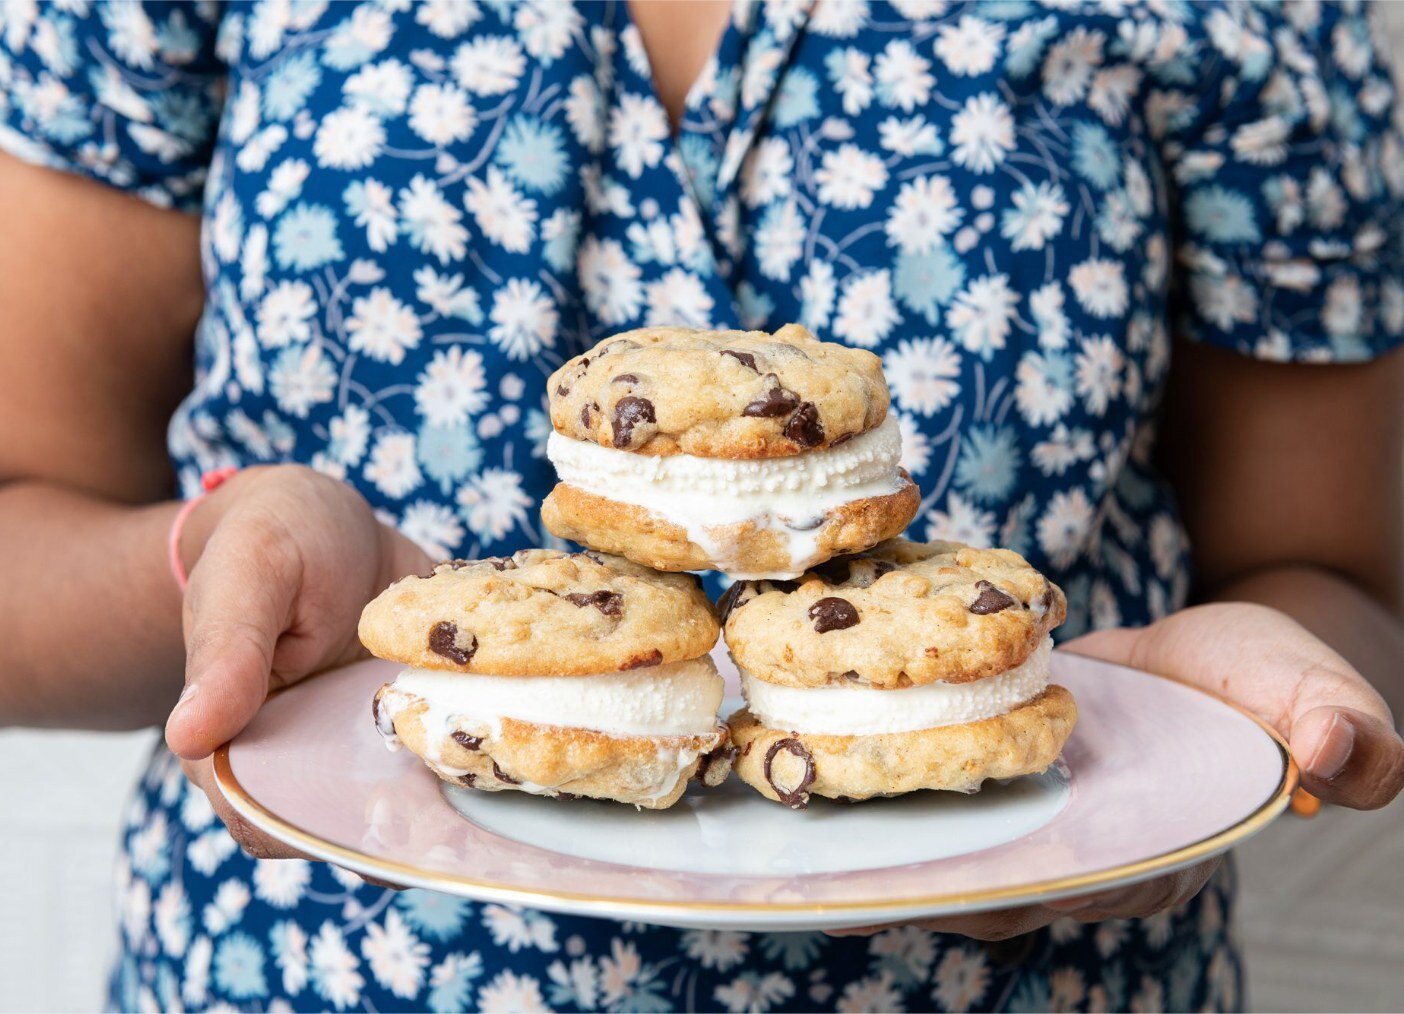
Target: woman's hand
(285,558)
(1339,729)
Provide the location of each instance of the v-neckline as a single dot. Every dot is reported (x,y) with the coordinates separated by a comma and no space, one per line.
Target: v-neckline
(706,76)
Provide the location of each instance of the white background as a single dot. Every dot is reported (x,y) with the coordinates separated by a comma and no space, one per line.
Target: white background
(1320,914)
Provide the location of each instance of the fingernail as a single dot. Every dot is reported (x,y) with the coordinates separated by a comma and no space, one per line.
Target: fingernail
(1334,752)
(185,695)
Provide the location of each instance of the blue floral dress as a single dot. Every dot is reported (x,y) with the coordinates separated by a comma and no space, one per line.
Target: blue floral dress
(414,212)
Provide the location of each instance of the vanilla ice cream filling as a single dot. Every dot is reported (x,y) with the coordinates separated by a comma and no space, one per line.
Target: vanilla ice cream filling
(863,711)
(789,495)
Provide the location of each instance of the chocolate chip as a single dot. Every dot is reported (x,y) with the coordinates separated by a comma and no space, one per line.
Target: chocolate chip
(625,378)
(777,401)
(804,427)
(851,675)
(744,358)
(843,439)
(503,776)
(715,766)
(566,796)
(796,798)
(466,741)
(833,614)
(990,600)
(608,602)
(644,661)
(629,411)
(562,390)
(443,640)
(835,571)
(469,780)
(620,345)
(585,412)
(501,562)
(733,598)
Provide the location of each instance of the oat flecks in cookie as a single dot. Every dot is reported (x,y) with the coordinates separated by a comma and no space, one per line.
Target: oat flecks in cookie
(726,394)
(539,612)
(920,613)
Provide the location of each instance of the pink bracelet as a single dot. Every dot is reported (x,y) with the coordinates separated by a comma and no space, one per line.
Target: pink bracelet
(209,482)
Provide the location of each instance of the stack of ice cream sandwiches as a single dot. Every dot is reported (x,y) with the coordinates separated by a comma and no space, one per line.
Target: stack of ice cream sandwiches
(871,666)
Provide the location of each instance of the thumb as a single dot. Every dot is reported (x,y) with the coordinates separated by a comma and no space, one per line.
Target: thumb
(1348,757)
(238,603)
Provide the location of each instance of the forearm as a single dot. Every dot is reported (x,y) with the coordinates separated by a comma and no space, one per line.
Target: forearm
(92,630)
(1337,611)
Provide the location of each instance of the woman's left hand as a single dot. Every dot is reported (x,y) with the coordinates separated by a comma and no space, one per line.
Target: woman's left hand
(1339,729)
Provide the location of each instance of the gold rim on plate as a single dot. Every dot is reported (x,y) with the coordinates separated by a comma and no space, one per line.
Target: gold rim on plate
(396,872)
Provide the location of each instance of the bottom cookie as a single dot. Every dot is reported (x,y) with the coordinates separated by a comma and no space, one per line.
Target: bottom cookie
(789,767)
(549,760)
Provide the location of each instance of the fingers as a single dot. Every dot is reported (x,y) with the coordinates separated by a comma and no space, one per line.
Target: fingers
(237,604)
(250,839)
(1348,757)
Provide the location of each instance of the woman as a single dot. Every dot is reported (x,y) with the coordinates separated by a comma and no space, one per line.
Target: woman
(407,215)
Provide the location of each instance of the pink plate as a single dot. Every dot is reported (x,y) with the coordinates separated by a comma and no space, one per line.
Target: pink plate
(1156,776)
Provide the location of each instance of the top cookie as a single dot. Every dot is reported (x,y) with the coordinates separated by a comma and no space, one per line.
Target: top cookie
(901,614)
(718,394)
(540,612)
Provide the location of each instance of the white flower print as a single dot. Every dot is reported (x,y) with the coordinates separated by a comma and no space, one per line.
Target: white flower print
(433,225)
(585,112)
(546,27)
(1224,300)
(372,205)
(817,291)
(511,992)
(679,297)
(1099,367)
(765,175)
(916,445)
(397,958)
(1066,989)
(961,979)
(853,79)
(195,985)
(335,970)
(447,18)
(924,374)
(489,65)
(1100,287)
(281,882)
(1149,998)
(1041,398)
(1064,527)
(207,852)
(1343,316)
(285,315)
(230,900)
(1113,89)
(970,46)
(524,319)
(392,468)
(441,114)
(432,527)
(848,177)
(866,313)
(924,211)
(982,313)
(290,954)
(452,387)
(779,241)
(382,327)
(754,992)
(910,947)
(719,949)
(171,918)
(983,133)
(903,76)
(254,263)
(350,138)
(381,88)
(493,504)
(302,378)
(1063,449)
(609,279)
(284,186)
(1036,217)
(638,126)
(350,434)
(1067,70)
(503,215)
(875,993)
(961,521)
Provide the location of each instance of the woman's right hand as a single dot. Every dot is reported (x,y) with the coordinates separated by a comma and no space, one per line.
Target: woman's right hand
(284,559)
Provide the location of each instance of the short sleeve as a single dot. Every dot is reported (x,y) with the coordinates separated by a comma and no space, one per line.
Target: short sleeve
(1287,174)
(123,92)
